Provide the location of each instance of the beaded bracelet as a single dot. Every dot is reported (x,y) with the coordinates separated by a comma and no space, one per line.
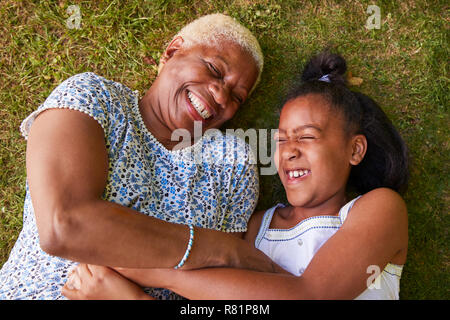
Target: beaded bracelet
(189,247)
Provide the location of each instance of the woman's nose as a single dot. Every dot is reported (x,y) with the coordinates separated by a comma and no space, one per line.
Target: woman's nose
(220,93)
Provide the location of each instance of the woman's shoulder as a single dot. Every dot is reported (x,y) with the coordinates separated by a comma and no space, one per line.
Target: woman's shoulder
(90,81)
(230,148)
(85,79)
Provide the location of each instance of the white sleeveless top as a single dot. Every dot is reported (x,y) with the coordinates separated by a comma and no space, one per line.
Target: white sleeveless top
(294,248)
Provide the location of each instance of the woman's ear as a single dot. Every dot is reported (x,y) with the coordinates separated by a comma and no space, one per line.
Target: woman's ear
(359,148)
(173,47)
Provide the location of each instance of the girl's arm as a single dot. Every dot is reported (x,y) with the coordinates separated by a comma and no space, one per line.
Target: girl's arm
(67,170)
(374,232)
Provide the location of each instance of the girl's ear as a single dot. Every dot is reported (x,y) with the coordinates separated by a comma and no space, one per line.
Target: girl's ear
(173,47)
(359,148)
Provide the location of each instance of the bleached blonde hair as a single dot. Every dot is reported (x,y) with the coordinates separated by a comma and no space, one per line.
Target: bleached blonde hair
(214,29)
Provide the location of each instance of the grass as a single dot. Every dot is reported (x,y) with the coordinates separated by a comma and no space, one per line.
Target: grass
(403,65)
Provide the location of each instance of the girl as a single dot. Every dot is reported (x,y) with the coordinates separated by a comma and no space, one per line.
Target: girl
(331,142)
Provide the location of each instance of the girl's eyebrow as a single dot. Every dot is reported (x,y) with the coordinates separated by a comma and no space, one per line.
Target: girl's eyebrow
(299,128)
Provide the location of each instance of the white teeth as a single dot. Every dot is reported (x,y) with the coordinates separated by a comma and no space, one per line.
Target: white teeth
(201,109)
(296,173)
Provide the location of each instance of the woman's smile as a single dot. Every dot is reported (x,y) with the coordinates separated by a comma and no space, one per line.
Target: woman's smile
(198,107)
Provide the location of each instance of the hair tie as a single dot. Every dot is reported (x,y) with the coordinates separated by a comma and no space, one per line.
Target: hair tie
(325,78)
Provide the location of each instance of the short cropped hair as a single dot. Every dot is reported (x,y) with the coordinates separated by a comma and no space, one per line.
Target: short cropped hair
(213,29)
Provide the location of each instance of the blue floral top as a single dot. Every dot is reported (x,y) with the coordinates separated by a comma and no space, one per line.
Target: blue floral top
(217,190)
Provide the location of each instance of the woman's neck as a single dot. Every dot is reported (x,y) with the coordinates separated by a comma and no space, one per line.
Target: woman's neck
(151,115)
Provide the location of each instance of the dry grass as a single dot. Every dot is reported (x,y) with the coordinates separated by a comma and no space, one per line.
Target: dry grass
(403,65)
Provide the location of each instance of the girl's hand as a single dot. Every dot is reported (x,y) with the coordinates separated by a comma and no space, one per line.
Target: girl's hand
(91,282)
(156,278)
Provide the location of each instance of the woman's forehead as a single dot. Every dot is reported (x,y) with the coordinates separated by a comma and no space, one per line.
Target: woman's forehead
(233,57)
(226,50)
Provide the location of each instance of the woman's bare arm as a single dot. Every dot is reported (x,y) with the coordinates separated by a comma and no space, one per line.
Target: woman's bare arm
(67,168)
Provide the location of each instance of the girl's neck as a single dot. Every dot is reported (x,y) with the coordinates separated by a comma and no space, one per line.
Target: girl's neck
(295,214)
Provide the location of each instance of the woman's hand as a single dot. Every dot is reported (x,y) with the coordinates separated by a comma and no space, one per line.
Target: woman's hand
(91,282)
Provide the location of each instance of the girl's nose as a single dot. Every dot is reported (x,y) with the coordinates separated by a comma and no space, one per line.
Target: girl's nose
(290,151)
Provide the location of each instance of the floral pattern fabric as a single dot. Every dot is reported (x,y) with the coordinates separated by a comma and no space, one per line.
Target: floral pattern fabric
(211,184)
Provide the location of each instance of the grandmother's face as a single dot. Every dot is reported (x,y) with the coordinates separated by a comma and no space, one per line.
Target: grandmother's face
(204,83)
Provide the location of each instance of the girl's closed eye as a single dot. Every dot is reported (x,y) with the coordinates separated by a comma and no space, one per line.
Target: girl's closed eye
(278,138)
(307,137)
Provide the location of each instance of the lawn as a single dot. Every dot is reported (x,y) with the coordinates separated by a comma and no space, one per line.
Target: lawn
(403,64)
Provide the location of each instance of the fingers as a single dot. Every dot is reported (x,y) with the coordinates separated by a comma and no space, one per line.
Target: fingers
(69,292)
(74,281)
(85,281)
(84,270)
(71,288)
(100,272)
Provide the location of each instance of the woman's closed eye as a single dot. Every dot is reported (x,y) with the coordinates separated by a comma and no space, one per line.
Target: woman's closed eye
(215,70)
(238,99)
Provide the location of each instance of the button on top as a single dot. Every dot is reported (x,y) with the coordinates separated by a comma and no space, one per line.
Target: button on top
(300,242)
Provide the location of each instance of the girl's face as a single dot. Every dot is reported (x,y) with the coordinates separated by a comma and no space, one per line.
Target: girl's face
(314,154)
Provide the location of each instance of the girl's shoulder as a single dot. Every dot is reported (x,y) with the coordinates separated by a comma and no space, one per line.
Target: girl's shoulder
(380,210)
(382,198)
(380,214)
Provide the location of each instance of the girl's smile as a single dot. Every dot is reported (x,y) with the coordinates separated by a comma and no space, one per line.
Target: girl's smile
(296,175)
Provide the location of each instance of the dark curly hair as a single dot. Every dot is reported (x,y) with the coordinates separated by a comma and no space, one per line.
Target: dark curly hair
(386,162)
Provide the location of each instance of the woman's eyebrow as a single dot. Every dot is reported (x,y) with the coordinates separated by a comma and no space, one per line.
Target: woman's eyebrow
(223,60)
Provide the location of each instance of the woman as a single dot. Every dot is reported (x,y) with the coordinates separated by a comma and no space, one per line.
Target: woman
(97,158)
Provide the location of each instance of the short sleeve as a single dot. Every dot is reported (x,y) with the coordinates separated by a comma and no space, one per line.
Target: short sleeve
(245,192)
(84,92)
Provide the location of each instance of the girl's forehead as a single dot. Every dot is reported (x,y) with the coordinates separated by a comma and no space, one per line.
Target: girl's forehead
(310,111)
(304,109)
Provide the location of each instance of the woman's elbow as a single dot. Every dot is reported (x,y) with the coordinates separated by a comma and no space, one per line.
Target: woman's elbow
(55,233)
